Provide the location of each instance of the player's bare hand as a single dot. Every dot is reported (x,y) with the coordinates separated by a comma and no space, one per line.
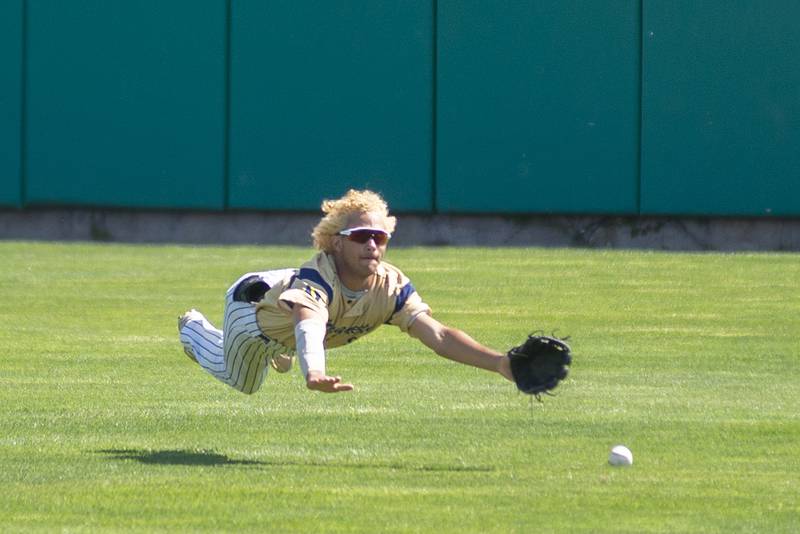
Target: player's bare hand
(327,384)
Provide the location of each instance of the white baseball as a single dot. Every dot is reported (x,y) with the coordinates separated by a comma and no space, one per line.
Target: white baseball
(620,455)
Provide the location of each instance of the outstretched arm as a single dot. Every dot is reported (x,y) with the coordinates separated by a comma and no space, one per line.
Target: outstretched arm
(456,345)
(311,351)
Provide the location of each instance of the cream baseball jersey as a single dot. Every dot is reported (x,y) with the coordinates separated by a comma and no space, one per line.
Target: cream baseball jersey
(391,299)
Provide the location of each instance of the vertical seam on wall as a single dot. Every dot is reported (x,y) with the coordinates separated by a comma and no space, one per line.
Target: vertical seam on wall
(23,105)
(226,158)
(434,102)
(640,133)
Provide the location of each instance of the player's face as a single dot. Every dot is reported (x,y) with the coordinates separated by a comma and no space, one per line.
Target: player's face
(360,259)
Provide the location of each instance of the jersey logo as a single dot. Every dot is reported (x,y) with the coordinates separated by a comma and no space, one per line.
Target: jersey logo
(353,330)
(312,292)
(314,276)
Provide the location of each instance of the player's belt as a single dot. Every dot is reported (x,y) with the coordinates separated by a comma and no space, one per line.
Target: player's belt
(251,289)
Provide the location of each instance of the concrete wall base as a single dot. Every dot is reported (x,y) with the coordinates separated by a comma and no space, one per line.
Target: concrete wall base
(242,228)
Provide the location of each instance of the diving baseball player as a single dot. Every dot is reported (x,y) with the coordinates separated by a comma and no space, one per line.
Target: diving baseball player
(344,292)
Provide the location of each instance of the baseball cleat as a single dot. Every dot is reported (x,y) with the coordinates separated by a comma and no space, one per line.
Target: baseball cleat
(282,363)
(182,320)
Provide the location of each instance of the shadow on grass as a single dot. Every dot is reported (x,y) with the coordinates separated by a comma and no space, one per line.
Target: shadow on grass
(210,458)
(176,457)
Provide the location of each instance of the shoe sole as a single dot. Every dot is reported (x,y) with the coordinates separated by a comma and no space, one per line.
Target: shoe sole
(182,320)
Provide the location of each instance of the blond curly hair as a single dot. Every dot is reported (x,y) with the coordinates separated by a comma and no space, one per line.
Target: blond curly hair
(338,211)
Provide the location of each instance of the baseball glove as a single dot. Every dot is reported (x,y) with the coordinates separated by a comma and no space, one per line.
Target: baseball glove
(539,364)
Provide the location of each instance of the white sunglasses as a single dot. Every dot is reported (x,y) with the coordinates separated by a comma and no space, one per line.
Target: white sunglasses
(363,234)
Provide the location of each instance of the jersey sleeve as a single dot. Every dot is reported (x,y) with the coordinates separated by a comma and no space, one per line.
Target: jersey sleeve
(308,288)
(408,306)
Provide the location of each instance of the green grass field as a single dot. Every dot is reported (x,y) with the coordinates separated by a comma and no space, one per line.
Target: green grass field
(691,360)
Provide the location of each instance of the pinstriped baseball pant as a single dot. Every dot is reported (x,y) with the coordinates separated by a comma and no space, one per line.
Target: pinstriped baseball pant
(239,354)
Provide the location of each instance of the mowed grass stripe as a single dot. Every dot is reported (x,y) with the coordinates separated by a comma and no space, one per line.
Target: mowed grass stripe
(691,360)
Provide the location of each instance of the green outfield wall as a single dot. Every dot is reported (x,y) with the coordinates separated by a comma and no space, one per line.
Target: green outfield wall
(721,107)
(11,91)
(328,95)
(629,107)
(125,103)
(538,106)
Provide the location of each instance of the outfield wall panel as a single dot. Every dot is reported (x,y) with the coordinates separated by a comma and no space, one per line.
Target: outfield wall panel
(126,103)
(331,95)
(538,106)
(617,107)
(721,108)
(11,52)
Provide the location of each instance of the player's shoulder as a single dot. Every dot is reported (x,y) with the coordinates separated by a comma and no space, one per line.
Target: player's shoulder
(389,270)
(318,262)
(392,276)
(320,271)
(404,298)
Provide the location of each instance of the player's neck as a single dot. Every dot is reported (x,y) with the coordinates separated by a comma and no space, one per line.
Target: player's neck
(355,283)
